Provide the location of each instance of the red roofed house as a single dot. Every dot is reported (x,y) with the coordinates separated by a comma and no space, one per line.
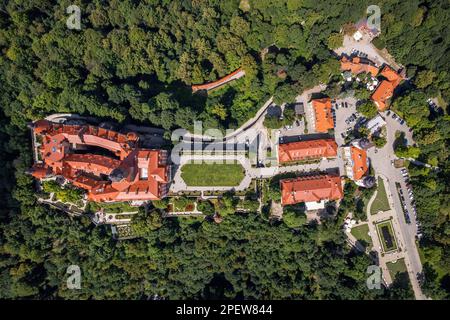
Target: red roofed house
(121,172)
(307,150)
(323,117)
(357,163)
(386,88)
(357,66)
(312,190)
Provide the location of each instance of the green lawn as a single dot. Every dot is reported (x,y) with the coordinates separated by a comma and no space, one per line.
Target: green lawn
(381,202)
(361,233)
(212,174)
(398,267)
(386,235)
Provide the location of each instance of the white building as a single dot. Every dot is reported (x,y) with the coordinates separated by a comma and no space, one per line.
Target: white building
(375,124)
(357,35)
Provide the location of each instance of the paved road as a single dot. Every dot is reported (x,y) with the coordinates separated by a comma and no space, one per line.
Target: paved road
(381,162)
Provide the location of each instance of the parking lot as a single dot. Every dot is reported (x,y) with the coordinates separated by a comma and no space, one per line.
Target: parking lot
(295,129)
(406,195)
(343,110)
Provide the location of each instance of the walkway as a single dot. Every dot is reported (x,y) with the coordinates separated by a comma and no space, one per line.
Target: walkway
(209,86)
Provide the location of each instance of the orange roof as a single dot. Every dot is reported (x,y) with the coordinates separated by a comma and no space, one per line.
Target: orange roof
(118,143)
(312,149)
(323,115)
(311,189)
(208,86)
(383,92)
(391,75)
(360,163)
(91,163)
(40,171)
(133,174)
(355,66)
(386,88)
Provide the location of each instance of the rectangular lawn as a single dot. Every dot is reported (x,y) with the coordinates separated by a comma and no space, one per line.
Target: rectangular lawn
(212,174)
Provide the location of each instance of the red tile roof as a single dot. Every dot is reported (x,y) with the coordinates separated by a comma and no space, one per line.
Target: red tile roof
(144,173)
(311,189)
(356,66)
(360,163)
(303,150)
(323,115)
(208,86)
(386,88)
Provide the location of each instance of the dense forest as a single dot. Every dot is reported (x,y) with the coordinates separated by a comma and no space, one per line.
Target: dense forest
(135,61)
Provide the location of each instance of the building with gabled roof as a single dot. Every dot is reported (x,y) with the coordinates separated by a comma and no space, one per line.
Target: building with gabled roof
(357,163)
(311,190)
(307,150)
(356,65)
(109,165)
(386,88)
(323,116)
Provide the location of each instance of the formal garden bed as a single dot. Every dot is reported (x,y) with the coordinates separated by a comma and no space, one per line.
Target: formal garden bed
(386,235)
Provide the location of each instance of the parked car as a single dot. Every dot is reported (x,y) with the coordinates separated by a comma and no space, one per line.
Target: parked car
(407,218)
(346,104)
(394,116)
(388,112)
